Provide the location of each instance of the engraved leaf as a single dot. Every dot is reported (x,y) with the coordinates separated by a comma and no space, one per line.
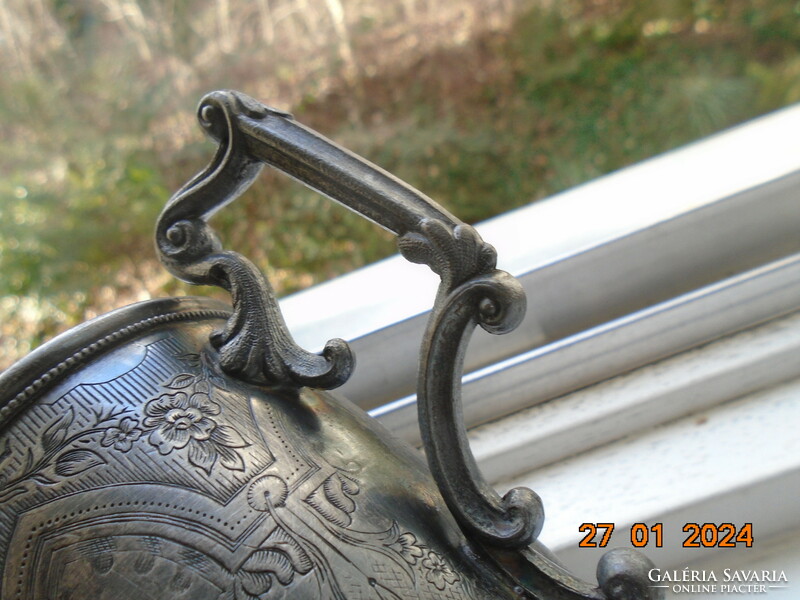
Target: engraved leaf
(202,385)
(75,462)
(282,542)
(268,561)
(144,563)
(218,381)
(203,455)
(225,435)
(230,459)
(349,485)
(180,381)
(103,417)
(56,433)
(254,584)
(338,489)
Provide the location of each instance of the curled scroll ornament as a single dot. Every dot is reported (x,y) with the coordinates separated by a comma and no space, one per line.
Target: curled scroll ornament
(256,346)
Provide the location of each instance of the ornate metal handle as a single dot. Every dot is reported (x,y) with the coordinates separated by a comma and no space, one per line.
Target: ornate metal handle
(249,135)
(255,344)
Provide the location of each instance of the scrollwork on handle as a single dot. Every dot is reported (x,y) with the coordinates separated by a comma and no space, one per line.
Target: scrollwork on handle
(496,301)
(256,346)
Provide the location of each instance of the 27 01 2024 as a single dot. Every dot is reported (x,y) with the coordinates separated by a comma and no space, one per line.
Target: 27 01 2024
(707,535)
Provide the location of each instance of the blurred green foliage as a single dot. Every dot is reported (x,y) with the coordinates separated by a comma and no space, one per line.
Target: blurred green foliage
(484,106)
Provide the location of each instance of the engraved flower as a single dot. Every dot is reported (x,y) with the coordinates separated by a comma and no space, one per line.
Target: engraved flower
(408,548)
(122,435)
(439,572)
(179,418)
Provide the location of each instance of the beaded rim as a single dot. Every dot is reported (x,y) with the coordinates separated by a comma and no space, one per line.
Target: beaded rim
(77,346)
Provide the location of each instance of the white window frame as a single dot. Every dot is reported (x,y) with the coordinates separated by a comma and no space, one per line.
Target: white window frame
(656,377)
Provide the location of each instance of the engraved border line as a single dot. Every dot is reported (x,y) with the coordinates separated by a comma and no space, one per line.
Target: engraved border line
(15,405)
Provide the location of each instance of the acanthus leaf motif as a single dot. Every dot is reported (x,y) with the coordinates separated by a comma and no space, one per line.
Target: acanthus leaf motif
(252,585)
(415,248)
(454,253)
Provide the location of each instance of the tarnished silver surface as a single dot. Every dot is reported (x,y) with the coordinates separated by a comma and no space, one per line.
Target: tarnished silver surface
(179,448)
(145,472)
(255,344)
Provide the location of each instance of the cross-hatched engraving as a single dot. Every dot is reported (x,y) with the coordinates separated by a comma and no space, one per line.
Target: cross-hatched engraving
(152,544)
(193,559)
(97,546)
(388,577)
(99,551)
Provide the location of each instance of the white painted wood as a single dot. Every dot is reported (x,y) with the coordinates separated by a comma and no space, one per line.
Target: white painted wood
(616,347)
(611,207)
(656,377)
(617,245)
(692,381)
(738,462)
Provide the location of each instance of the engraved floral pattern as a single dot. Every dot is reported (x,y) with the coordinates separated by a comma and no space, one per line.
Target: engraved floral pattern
(408,547)
(186,419)
(178,419)
(181,420)
(436,568)
(122,436)
(288,555)
(334,499)
(279,558)
(438,572)
(61,455)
